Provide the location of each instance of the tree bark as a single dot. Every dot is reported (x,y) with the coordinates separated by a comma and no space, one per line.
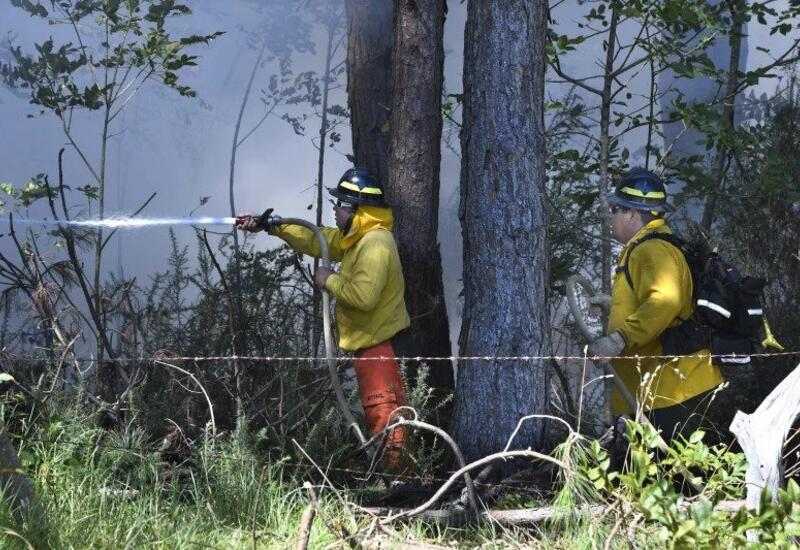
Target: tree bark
(369,80)
(728,115)
(504,226)
(17,488)
(316,332)
(606,102)
(413,184)
(605,146)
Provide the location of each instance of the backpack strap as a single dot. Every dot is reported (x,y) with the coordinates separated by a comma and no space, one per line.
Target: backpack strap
(671,238)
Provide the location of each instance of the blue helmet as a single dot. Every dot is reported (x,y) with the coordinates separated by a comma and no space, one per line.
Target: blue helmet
(640,189)
(359,186)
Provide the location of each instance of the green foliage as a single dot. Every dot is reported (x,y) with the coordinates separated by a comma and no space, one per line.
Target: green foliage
(651,39)
(570,191)
(654,486)
(117,46)
(114,491)
(34,190)
(310,89)
(427,452)
(136,46)
(757,227)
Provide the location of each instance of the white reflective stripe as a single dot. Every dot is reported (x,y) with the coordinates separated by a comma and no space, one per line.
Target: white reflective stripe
(755,312)
(716,307)
(737,360)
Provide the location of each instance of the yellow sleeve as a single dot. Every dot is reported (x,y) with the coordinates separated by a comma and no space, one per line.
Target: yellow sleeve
(656,276)
(303,240)
(361,287)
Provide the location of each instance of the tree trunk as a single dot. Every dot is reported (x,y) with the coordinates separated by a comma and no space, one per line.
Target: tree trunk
(728,116)
(504,226)
(605,147)
(413,184)
(17,488)
(605,185)
(316,332)
(369,80)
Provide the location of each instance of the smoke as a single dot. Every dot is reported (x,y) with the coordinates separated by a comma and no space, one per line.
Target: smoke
(178,148)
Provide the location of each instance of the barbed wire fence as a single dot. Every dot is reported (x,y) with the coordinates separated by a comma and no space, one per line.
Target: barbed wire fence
(200,360)
(453,358)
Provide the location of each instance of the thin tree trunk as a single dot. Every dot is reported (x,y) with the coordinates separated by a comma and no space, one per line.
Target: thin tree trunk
(605,184)
(104,375)
(504,225)
(605,146)
(728,116)
(413,185)
(17,488)
(316,332)
(369,80)
(237,345)
(234,149)
(651,122)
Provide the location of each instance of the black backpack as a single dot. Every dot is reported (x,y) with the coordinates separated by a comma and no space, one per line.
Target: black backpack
(728,312)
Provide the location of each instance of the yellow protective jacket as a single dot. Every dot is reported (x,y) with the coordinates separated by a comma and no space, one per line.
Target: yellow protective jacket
(660,297)
(369,288)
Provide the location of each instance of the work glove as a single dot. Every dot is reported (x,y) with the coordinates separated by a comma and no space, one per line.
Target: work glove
(321,276)
(607,346)
(599,304)
(253,222)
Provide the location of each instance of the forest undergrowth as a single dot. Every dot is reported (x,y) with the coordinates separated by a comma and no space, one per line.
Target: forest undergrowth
(120,488)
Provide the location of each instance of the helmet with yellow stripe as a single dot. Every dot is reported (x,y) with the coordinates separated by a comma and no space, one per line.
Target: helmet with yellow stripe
(359,186)
(640,189)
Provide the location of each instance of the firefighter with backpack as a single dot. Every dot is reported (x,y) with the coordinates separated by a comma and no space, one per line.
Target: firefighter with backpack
(651,299)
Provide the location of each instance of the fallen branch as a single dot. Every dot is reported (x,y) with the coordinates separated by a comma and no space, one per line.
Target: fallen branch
(522,517)
(473,499)
(478,463)
(306,522)
(342,531)
(205,393)
(385,543)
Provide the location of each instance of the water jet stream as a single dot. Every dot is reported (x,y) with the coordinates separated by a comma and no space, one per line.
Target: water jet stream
(131,223)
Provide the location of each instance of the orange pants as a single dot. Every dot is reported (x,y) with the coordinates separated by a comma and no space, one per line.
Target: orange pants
(380,385)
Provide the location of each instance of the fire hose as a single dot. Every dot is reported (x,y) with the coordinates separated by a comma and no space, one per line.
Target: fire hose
(267,220)
(572,299)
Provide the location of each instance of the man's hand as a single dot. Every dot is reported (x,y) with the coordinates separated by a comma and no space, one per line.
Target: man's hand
(248,222)
(321,276)
(607,346)
(599,304)
(253,222)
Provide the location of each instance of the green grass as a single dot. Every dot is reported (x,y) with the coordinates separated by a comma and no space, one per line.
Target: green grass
(215,511)
(210,504)
(229,496)
(213,506)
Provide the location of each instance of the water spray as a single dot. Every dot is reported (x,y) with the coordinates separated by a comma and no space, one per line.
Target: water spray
(131,223)
(265,220)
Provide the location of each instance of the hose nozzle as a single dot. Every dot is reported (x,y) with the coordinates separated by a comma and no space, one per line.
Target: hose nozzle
(267,220)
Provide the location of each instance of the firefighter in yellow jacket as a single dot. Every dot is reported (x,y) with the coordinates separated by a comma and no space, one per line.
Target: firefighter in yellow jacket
(369,291)
(652,292)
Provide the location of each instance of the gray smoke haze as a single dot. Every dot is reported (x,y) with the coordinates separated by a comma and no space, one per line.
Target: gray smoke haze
(179,148)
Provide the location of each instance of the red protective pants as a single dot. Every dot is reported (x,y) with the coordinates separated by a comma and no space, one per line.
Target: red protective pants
(380,385)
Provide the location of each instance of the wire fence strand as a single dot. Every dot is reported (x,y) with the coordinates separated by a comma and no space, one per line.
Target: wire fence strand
(401,358)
